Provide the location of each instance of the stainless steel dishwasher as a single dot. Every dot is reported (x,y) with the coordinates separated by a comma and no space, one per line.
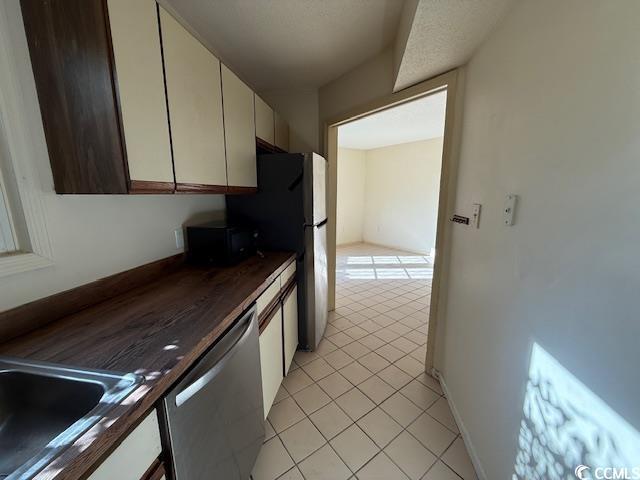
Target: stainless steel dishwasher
(214,415)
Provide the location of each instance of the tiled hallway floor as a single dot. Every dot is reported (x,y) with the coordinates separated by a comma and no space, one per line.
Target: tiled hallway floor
(361,407)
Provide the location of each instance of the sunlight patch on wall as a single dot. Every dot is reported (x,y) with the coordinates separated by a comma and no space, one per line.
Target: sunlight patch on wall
(565,425)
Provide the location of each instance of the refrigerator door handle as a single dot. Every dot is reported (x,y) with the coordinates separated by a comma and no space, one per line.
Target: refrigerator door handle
(318,225)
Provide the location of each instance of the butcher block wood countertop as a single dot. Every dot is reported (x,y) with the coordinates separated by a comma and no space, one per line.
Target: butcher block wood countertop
(157,330)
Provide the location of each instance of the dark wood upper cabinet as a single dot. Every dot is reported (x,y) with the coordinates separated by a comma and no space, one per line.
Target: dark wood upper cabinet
(98,71)
(70,49)
(131,102)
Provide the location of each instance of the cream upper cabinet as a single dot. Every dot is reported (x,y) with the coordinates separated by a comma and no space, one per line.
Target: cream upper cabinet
(281,132)
(265,128)
(239,131)
(138,63)
(194,94)
(290,327)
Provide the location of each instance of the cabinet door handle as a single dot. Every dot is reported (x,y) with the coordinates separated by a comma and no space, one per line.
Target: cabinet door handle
(194,387)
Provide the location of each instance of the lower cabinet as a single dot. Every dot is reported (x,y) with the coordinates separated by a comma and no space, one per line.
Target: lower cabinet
(290,326)
(277,310)
(135,455)
(271,357)
(155,472)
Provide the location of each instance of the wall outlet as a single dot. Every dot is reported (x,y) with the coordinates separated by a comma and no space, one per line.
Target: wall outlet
(179,235)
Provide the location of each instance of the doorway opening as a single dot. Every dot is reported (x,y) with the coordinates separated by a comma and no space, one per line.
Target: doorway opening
(389,166)
(389,171)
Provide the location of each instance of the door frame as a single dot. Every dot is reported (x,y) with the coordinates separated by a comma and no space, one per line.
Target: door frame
(449,81)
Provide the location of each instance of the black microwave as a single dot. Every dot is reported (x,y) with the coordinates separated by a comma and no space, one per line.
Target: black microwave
(219,243)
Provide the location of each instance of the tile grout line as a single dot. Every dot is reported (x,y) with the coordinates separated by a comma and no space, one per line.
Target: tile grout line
(387,290)
(355,422)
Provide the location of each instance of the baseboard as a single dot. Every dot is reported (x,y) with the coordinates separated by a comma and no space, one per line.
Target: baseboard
(349,244)
(463,431)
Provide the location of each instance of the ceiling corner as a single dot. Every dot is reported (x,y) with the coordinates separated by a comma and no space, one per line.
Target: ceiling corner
(442,36)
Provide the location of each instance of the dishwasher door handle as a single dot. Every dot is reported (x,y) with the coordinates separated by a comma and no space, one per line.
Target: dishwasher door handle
(198,384)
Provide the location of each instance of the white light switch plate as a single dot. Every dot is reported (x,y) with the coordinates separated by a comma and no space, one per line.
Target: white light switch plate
(179,234)
(510,209)
(475,215)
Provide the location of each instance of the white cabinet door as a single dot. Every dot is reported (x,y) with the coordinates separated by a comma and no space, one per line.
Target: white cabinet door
(239,131)
(265,128)
(290,326)
(138,63)
(288,273)
(281,132)
(267,296)
(194,93)
(131,459)
(271,360)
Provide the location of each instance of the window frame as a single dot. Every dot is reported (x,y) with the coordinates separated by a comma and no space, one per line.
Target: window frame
(22,148)
(8,243)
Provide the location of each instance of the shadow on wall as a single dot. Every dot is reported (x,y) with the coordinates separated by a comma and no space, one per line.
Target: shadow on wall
(565,425)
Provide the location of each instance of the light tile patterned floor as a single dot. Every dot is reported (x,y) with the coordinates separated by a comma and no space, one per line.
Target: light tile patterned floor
(361,407)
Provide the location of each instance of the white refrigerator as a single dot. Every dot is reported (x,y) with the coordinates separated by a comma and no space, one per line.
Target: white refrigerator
(290,213)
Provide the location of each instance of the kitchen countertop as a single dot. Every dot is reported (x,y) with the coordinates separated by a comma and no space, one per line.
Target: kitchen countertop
(157,330)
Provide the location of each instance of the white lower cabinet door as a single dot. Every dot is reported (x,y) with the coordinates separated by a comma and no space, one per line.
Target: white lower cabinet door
(264,300)
(290,325)
(271,359)
(134,455)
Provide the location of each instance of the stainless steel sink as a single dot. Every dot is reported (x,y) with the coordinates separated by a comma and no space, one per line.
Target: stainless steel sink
(44,408)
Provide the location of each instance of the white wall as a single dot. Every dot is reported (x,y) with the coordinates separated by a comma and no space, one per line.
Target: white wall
(300,108)
(389,196)
(368,81)
(551,113)
(351,196)
(401,195)
(96,236)
(93,236)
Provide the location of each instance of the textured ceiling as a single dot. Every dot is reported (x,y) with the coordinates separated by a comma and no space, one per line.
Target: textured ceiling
(444,34)
(276,44)
(418,120)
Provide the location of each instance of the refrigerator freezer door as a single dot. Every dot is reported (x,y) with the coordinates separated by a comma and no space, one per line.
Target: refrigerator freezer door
(315,194)
(277,210)
(319,189)
(316,286)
